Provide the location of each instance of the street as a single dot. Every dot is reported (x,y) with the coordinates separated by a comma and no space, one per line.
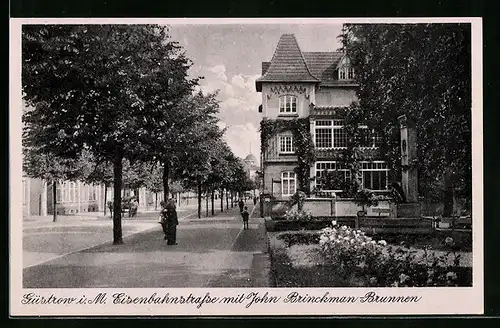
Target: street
(212,252)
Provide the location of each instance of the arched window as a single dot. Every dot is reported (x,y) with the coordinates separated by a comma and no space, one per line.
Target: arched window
(288,104)
(288,183)
(346,72)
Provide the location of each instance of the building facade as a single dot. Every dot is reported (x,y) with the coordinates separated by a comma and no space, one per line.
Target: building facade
(76,197)
(318,86)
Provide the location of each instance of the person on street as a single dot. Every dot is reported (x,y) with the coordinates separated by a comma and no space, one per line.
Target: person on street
(171,222)
(254,200)
(241,203)
(245,215)
(110,206)
(134,205)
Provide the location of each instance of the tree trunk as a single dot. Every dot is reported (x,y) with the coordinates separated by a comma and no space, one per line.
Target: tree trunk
(117,198)
(232,199)
(222,199)
(206,202)
(54,197)
(213,201)
(166,188)
(227,200)
(156,201)
(105,197)
(199,200)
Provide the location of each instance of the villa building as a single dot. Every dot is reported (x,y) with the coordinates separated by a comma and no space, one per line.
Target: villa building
(319,86)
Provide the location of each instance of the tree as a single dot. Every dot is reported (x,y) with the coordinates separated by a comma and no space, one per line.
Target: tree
(86,83)
(174,110)
(196,158)
(424,72)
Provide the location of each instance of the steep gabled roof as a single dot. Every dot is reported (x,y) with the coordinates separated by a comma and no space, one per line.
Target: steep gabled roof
(323,64)
(287,65)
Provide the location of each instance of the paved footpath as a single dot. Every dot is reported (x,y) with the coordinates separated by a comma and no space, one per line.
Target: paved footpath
(212,252)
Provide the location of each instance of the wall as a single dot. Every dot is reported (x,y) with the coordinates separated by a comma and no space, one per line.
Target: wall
(346,207)
(272,151)
(319,206)
(270,99)
(273,171)
(334,97)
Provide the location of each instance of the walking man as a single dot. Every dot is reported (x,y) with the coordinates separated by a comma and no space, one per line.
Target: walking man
(245,215)
(241,204)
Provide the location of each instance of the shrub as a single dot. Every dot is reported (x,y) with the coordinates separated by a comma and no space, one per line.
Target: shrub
(297,215)
(293,238)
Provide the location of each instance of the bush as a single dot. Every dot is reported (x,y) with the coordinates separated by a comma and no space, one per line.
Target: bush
(297,215)
(291,238)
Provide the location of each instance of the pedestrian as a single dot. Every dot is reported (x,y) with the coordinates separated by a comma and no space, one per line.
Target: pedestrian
(134,205)
(254,200)
(171,222)
(241,204)
(245,215)
(110,206)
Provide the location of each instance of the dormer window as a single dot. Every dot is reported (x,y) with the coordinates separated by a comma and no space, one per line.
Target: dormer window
(288,104)
(346,73)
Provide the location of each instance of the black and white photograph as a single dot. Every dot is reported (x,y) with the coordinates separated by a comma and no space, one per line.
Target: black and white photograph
(328,166)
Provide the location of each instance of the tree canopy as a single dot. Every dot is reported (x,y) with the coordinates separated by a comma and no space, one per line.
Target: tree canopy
(424,72)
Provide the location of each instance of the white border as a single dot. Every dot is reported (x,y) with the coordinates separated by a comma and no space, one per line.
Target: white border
(434,300)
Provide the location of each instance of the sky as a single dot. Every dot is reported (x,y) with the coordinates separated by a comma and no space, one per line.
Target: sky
(229,57)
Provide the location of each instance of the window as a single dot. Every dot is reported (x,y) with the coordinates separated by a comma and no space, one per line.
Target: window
(72,191)
(346,73)
(93,193)
(288,185)
(322,168)
(369,138)
(58,193)
(288,104)
(286,145)
(350,73)
(342,73)
(330,134)
(374,175)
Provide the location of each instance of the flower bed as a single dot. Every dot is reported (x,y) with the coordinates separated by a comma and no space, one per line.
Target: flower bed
(341,256)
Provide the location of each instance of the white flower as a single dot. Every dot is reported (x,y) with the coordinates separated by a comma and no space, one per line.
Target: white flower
(372,242)
(334,223)
(451,275)
(403,277)
(382,242)
(363,244)
(352,241)
(346,238)
(358,231)
(344,228)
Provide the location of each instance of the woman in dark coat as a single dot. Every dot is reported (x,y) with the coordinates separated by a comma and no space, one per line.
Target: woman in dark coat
(171,222)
